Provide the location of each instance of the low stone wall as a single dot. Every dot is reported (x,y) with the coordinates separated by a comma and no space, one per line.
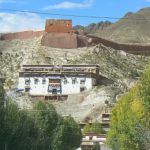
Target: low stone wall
(60,40)
(21,35)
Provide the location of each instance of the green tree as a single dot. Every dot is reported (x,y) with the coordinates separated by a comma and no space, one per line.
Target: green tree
(39,129)
(94,128)
(9,83)
(20,130)
(97,128)
(96,146)
(143,136)
(145,88)
(46,119)
(130,123)
(67,135)
(2,113)
(126,116)
(86,129)
(55,132)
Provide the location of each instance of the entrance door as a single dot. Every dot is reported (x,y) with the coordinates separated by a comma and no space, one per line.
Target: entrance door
(27,89)
(82,89)
(54,91)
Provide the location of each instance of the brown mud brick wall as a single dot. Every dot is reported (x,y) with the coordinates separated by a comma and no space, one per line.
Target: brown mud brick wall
(21,35)
(82,41)
(58,26)
(129,48)
(60,40)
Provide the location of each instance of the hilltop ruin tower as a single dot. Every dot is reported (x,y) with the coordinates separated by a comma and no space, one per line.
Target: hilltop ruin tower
(59,34)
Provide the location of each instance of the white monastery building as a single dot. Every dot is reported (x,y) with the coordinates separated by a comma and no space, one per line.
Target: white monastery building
(42,80)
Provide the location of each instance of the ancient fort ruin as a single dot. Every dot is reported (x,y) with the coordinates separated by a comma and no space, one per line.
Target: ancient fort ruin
(59,34)
(58,26)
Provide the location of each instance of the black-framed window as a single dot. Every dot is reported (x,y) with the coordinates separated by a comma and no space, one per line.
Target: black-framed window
(82,89)
(43,81)
(36,81)
(27,81)
(27,89)
(74,80)
(90,138)
(82,81)
(65,81)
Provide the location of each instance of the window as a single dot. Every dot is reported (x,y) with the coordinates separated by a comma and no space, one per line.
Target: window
(82,89)
(65,80)
(27,81)
(90,138)
(43,81)
(82,81)
(73,80)
(54,91)
(27,89)
(36,81)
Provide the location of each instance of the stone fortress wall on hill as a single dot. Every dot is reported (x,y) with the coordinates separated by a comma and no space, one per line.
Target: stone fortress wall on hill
(58,26)
(21,35)
(61,40)
(59,34)
(136,49)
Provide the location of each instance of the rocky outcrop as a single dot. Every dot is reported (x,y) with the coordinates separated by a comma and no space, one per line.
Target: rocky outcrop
(93,27)
(21,35)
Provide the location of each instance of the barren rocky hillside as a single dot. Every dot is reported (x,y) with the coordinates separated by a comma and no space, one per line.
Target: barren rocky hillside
(118,72)
(132,28)
(93,27)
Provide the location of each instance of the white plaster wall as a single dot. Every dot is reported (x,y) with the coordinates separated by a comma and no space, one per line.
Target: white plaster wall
(39,88)
(21,83)
(86,138)
(42,89)
(94,138)
(106,119)
(35,89)
(70,88)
